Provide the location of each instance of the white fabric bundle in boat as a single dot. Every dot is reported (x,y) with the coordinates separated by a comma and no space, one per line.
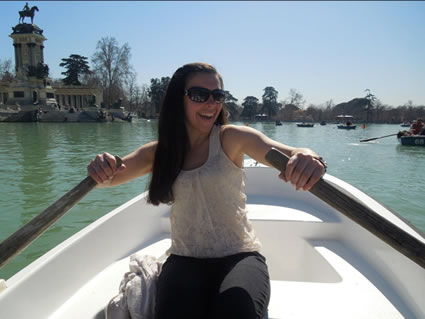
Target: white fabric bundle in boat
(136,299)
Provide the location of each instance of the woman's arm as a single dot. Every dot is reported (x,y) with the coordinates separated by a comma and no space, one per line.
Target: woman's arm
(136,164)
(303,170)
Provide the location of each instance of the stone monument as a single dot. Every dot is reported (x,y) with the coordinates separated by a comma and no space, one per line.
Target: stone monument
(32,85)
(31,97)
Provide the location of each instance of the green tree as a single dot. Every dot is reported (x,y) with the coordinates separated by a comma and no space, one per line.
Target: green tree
(270,104)
(250,105)
(231,105)
(371,100)
(76,66)
(111,63)
(157,91)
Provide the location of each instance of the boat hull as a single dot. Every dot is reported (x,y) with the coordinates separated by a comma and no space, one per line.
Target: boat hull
(347,127)
(415,140)
(305,125)
(321,264)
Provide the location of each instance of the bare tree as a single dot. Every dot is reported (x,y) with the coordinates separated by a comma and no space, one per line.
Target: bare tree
(136,96)
(409,104)
(6,70)
(295,98)
(112,65)
(132,92)
(142,100)
(329,104)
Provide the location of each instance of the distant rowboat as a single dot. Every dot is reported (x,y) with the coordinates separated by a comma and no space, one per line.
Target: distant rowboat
(413,140)
(347,127)
(305,124)
(345,122)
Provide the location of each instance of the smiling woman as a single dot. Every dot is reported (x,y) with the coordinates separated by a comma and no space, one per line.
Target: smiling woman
(180,120)
(197,166)
(203,104)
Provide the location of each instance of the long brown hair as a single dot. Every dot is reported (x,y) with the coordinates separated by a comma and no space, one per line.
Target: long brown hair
(172,135)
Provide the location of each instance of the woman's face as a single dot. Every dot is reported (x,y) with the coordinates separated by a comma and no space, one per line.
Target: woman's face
(200,117)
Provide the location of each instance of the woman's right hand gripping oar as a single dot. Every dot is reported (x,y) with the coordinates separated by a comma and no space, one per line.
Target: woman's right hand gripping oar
(103,168)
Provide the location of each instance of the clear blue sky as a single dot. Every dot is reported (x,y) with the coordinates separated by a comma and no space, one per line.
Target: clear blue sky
(324,50)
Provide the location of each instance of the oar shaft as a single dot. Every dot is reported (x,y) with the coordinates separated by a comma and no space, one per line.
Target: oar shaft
(15,243)
(351,207)
(375,138)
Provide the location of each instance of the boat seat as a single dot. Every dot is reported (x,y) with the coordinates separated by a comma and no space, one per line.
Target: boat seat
(274,209)
(353,297)
(327,299)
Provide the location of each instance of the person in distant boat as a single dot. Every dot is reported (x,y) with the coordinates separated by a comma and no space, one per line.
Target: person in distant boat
(417,126)
(214,267)
(349,123)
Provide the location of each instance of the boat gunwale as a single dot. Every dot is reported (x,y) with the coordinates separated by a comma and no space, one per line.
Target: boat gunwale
(27,271)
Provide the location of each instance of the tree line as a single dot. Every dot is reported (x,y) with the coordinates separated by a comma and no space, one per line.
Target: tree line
(111,70)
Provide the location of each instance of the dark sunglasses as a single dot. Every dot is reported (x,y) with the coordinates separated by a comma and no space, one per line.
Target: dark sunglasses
(201,95)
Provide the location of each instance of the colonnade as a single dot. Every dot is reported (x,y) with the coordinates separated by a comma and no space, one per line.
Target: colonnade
(77,101)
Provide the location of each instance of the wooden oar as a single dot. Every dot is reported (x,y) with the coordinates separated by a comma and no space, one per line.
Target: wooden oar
(375,138)
(351,207)
(16,242)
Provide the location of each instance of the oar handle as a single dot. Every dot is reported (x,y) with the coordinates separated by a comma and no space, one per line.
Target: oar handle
(351,207)
(15,243)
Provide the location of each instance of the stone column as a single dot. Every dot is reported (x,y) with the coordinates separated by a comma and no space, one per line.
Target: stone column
(18,56)
(31,54)
(42,53)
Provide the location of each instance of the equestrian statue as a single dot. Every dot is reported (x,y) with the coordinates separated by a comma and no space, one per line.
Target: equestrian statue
(27,12)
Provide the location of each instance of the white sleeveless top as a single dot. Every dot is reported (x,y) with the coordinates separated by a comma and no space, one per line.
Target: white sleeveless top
(209,216)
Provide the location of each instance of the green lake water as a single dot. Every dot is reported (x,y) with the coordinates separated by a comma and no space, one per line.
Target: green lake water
(39,162)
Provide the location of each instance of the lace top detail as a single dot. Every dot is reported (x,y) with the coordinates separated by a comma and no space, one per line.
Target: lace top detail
(209,216)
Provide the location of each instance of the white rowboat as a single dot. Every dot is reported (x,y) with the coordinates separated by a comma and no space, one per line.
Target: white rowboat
(322,264)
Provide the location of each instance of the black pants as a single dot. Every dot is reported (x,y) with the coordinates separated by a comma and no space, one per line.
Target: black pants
(236,286)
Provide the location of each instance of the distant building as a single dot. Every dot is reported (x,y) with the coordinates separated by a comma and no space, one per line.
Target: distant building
(261,117)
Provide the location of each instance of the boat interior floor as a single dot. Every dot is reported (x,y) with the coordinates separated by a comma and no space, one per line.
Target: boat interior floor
(313,275)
